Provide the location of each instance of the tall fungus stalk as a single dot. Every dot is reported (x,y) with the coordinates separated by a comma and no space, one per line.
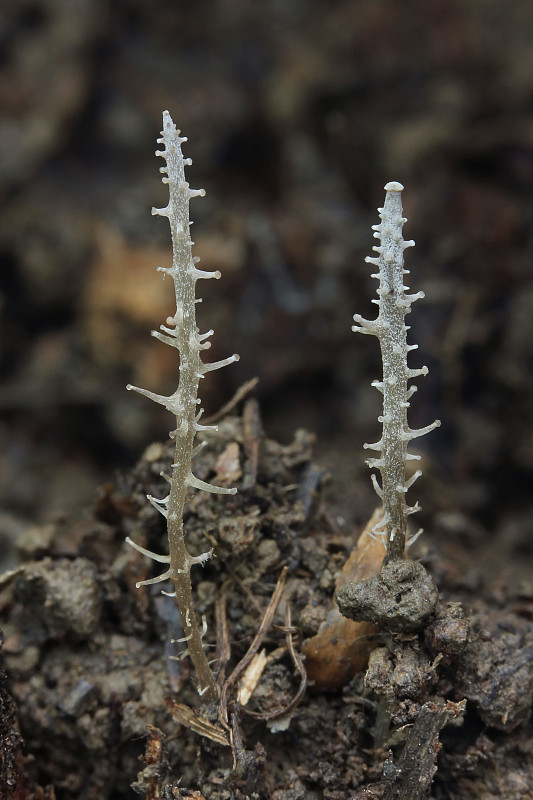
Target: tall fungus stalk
(182,333)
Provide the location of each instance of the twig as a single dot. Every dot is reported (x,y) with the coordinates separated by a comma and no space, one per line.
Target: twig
(239,395)
(223,652)
(252,435)
(309,483)
(253,648)
(412,775)
(239,752)
(288,710)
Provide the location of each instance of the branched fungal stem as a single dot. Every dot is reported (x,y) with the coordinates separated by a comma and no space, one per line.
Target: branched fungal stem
(390,328)
(181,332)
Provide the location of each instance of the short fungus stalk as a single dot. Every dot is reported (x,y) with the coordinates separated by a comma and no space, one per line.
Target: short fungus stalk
(403,595)
(394,304)
(182,333)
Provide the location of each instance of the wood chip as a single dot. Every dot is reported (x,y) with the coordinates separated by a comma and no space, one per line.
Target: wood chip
(190,719)
(251,677)
(341,646)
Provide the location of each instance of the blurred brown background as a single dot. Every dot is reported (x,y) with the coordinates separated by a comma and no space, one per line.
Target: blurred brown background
(297,113)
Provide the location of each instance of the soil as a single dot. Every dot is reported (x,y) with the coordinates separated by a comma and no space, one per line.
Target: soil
(107,709)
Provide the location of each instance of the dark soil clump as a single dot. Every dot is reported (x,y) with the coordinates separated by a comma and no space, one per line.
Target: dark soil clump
(107,710)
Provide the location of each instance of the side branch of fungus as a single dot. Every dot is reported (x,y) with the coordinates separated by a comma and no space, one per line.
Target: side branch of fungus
(182,333)
(394,304)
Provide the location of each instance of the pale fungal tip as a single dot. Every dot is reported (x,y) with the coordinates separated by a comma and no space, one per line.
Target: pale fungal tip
(393,186)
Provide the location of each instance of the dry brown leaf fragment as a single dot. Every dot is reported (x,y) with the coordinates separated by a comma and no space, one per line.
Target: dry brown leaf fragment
(341,646)
(228,466)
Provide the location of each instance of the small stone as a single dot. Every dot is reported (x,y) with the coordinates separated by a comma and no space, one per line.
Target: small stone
(78,699)
(268,555)
(64,594)
(35,542)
